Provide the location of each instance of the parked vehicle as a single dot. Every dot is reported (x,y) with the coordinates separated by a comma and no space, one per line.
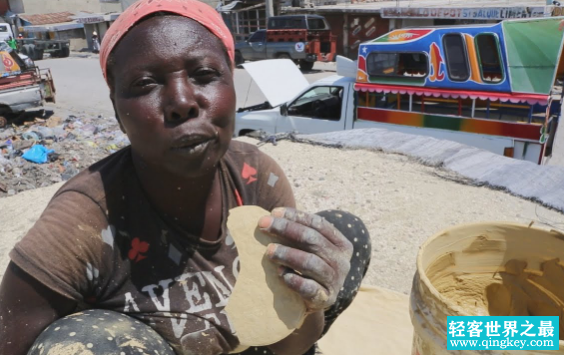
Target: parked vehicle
(304,39)
(35,48)
(490,86)
(23,86)
(5,32)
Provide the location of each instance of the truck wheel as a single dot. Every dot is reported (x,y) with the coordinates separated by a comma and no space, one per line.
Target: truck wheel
(27,49)
(239,58)
(31,51)
(283,56)
(38,54)
(305,65)
(65,52)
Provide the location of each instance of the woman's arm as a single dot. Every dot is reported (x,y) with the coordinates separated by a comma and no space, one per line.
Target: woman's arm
(26,308)
(301,340)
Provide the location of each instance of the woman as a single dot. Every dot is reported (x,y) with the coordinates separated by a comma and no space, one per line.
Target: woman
(143,232)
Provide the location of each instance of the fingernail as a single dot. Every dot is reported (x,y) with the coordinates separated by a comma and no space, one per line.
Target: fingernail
(265,222)
(271,249)
(279,212)
(281,270)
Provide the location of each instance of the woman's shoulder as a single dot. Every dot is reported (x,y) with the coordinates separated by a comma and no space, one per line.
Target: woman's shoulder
(101,179)
(245,152)
(259,178)
(239,147)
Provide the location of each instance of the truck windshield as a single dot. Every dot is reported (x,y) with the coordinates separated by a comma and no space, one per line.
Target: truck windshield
(316,24)
(282,23)
(322,102)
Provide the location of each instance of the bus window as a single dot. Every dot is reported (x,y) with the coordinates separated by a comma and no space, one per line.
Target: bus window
(456,59)
(489,57)
(405,65)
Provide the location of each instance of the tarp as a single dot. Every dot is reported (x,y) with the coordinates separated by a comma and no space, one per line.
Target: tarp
(533,52)
(377,322)
(540,183)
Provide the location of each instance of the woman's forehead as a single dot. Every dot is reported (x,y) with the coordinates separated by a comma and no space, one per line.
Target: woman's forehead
(168,32)
(169,26)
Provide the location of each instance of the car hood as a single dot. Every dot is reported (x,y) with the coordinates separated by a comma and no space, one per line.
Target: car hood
(280,80)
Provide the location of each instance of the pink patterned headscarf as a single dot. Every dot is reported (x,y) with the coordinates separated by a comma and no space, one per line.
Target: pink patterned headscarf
(192,9)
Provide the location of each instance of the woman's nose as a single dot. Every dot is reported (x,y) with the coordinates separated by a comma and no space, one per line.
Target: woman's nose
(181,102)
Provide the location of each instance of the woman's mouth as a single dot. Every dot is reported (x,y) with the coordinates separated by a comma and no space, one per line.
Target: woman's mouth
(192,145)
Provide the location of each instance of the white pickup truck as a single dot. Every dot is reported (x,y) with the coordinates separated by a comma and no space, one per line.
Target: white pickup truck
(333,104)
(324,106)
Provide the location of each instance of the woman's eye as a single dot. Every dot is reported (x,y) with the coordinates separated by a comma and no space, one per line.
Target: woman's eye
(206,74)
(143,82)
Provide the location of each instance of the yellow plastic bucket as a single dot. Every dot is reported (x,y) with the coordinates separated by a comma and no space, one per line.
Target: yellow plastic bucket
(475,270)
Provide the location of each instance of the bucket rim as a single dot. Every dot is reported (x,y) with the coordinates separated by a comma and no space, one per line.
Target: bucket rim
(422,272)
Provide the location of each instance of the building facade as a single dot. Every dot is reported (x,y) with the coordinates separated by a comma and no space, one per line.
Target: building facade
(127,3)
(50,6)
(357,22)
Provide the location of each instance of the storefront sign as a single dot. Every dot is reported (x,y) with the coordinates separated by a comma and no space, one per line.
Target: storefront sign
(483,13)
(90,19)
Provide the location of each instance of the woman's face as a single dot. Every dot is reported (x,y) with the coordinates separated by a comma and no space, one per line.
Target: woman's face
(173,92)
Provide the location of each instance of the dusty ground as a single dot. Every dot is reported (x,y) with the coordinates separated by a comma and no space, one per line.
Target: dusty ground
(401,201)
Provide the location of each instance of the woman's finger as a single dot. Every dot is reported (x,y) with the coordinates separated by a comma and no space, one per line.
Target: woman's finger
(297,235)
(315,295)
(307,264)
(314,221)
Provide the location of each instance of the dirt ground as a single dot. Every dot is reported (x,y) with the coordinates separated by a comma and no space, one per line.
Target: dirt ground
(401,202)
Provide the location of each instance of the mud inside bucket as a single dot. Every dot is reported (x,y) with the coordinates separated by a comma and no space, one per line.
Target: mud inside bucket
(486,269)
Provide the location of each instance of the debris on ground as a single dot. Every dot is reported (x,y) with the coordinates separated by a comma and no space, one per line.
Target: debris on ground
(265,138)
(68,145)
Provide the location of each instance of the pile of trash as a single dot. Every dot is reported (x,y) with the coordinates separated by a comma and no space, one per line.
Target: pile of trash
(47,151)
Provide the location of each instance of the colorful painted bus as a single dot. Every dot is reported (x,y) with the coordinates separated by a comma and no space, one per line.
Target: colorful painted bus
(499,83)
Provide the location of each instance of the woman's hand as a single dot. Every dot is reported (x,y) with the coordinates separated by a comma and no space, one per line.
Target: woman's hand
(314,257)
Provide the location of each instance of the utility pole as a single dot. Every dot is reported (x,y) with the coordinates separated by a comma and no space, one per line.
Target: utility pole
(269,8)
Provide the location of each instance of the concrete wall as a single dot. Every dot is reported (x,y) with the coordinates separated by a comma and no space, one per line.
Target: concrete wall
(17,6)
(51,6)
(414,22)
(106,7)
